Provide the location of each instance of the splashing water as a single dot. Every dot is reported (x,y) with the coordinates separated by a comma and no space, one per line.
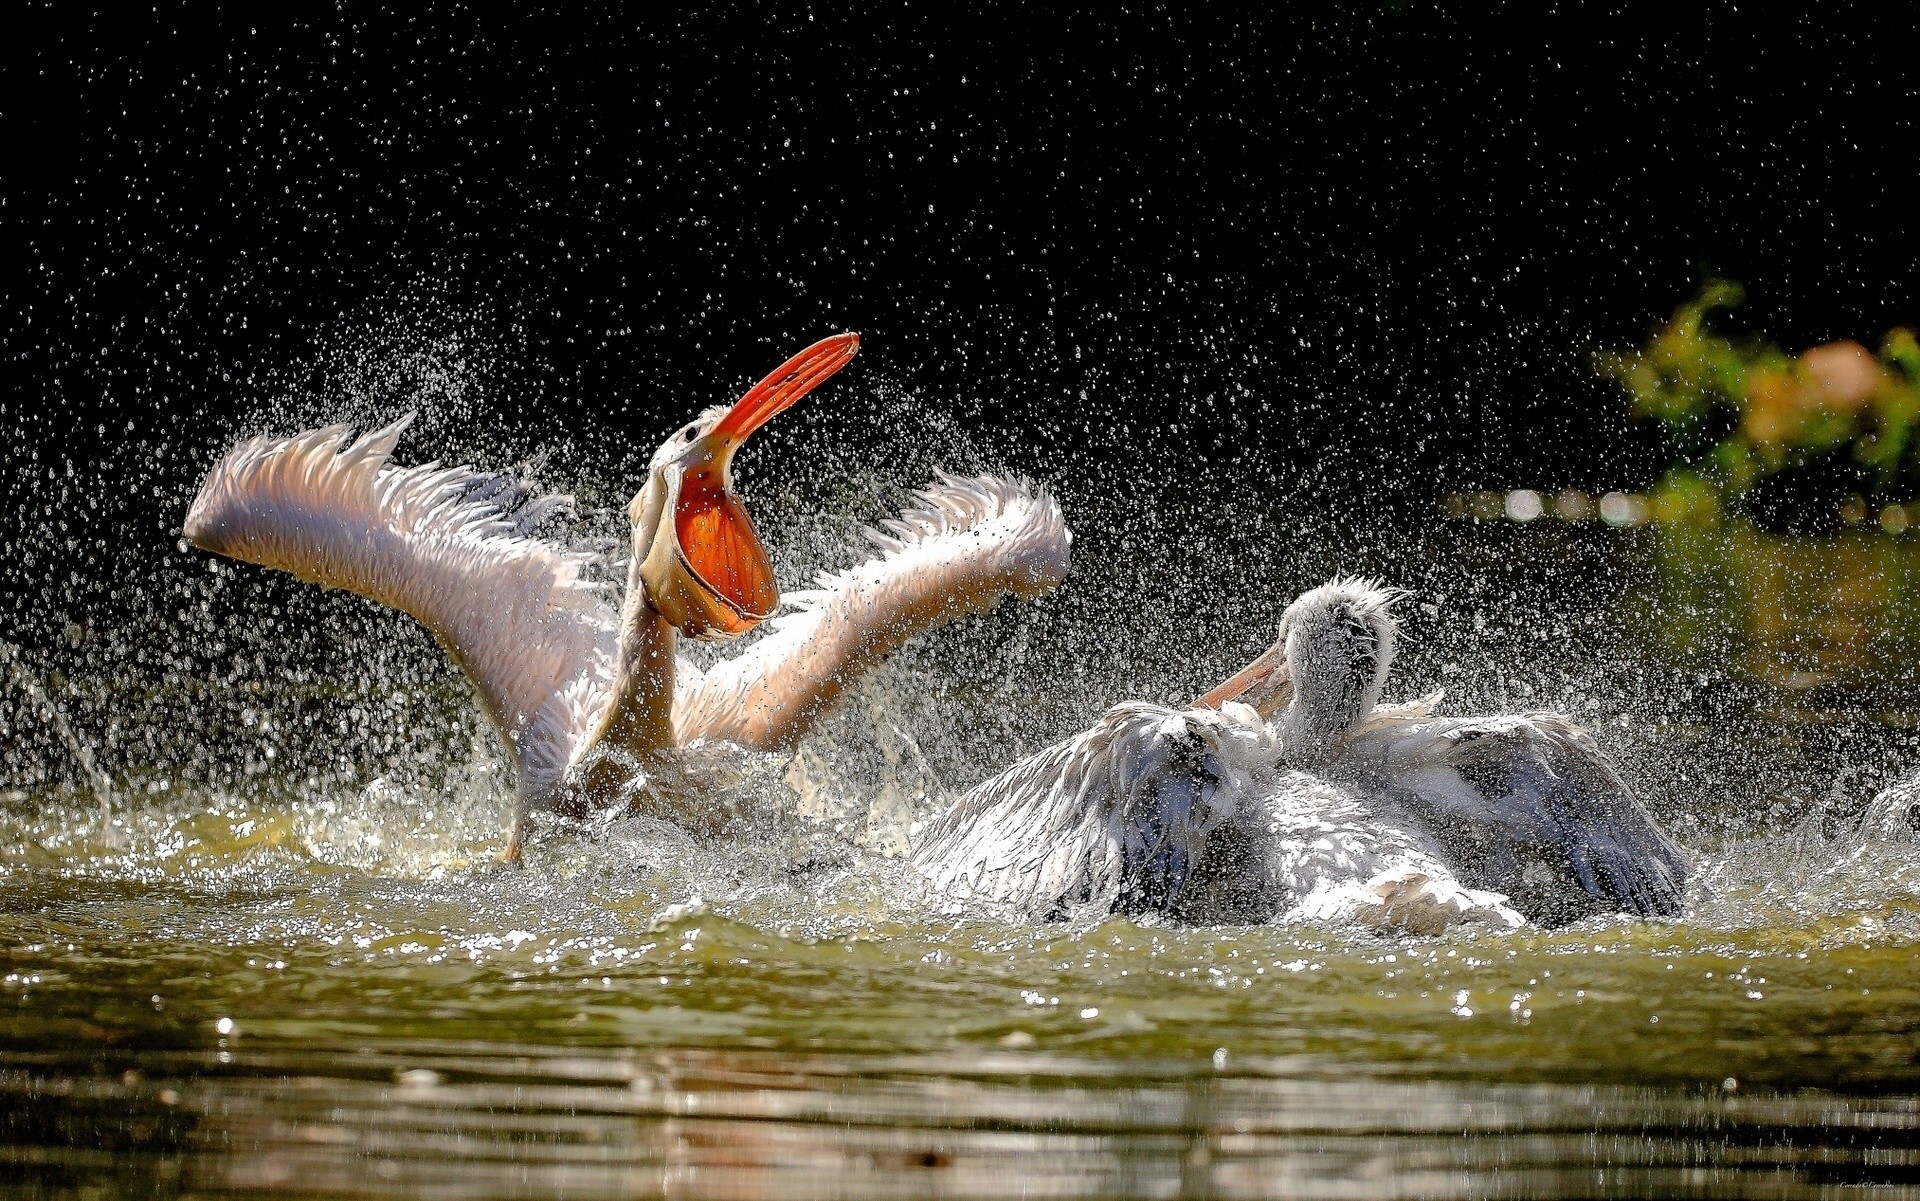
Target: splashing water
(299,886)
(102,786)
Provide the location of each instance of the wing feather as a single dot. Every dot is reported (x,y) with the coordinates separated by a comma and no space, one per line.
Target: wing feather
(1524,801)
(455,549)
(968,544)
(1115,818)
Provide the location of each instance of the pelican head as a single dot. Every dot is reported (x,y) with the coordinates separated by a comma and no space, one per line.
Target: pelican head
(700,559)
(1324,672)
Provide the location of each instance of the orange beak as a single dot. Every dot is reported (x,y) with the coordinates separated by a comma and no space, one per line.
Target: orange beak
(1265,683)
(718,544)
(789,381)
(723,551)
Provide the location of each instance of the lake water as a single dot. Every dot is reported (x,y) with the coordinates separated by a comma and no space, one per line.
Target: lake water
(286,963)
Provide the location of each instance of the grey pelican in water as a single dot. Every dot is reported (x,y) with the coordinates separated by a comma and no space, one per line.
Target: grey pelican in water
(584,695)
(1291,793)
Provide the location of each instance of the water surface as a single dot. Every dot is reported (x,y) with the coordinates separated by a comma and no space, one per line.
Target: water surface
(288,964)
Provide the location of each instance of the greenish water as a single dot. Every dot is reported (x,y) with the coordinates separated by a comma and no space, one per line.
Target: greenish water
(274,974)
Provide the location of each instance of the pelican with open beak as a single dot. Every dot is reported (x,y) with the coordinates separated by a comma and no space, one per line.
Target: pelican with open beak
(698,567)
(558,671)
(700,562)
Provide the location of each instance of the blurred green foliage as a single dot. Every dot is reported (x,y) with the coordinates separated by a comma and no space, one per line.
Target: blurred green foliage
(1741,410)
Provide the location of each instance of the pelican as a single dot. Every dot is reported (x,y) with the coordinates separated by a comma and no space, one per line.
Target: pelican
(584,695)
(1291,793)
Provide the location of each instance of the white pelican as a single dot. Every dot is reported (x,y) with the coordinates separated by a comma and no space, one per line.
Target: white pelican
(1290,793)
(558,671)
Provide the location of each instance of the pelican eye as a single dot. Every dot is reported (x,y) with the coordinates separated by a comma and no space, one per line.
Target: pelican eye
(688,434)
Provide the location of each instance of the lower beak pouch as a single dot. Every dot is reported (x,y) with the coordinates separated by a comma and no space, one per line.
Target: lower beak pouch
(709,576)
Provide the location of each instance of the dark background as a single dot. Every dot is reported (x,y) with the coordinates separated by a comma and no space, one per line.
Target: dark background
(1397,231)
(1202,255)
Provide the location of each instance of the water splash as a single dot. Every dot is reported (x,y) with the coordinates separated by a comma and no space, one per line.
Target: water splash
(98,780)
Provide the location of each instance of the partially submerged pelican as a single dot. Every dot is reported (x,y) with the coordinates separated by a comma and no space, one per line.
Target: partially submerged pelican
(1290,793)
(558,671)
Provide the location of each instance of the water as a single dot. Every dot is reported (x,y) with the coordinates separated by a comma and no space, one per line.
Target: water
(1252,288)
(234,1004)
(31,687)
(290,965)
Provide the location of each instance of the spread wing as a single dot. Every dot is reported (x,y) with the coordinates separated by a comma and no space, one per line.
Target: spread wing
(1529,806)
(454,548)
(970,543)
(1115,817)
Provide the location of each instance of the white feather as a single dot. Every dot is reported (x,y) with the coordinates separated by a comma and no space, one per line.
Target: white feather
(1408,820)
(455,549)
(970,543)
(1115,817)
(516,613)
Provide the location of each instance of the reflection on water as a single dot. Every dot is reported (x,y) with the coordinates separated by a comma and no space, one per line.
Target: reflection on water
(1797,613)
(460,1120)
(1791,612)
(288,964)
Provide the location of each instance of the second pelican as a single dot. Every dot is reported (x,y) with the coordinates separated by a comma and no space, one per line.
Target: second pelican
(1290,793)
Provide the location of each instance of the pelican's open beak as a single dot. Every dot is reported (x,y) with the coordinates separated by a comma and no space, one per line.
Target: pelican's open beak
(1266,683)
(713,578)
